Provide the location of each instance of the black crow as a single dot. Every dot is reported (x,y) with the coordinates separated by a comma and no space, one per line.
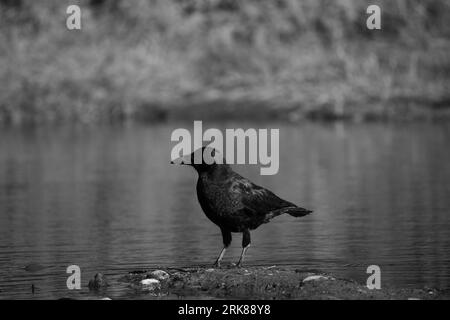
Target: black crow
(231,201)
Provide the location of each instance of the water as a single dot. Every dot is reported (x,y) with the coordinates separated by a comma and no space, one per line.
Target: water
(108,200)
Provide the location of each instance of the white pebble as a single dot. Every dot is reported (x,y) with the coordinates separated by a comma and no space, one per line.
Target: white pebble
(160,275)
(316,277)
(147,282)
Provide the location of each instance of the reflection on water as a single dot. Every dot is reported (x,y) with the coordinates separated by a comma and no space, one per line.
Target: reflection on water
(108,200)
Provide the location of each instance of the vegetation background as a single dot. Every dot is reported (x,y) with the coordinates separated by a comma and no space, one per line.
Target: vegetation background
(162,59)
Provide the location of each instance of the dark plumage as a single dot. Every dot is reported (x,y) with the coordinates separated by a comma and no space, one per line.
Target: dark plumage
(234,203)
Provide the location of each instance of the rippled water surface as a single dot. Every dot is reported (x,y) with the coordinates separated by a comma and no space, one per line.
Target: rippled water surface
(108,200)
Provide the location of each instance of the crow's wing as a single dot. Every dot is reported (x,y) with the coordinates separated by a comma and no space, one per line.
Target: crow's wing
(254,205)
(257,199)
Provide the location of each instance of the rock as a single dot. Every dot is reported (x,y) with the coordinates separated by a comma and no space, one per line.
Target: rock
(316,277)
(149,281)
(159,275)
(33,267)
(282,283)
(362,291)
(99,282)
(150,284)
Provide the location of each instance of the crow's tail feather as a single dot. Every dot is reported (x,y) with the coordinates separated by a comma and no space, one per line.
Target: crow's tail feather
(297,211)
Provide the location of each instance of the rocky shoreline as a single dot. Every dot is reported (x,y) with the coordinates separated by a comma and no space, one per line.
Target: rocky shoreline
(254,282)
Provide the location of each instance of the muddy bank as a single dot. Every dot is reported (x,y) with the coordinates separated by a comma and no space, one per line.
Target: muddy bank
(257,283)
(367,109)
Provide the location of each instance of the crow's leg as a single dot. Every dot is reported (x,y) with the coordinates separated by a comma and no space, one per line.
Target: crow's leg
(245,245)
(226,236)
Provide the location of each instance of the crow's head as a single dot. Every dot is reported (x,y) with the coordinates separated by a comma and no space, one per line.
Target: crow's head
(202,159)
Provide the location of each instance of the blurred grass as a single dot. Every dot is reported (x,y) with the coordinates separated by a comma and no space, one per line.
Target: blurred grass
(291,59)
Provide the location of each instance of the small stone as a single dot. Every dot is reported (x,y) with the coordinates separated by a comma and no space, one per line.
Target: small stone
(316,277)
(149,281)
(361,291)
(150,284)
(209,270)
(34,267)
(160,275)
(98,282)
